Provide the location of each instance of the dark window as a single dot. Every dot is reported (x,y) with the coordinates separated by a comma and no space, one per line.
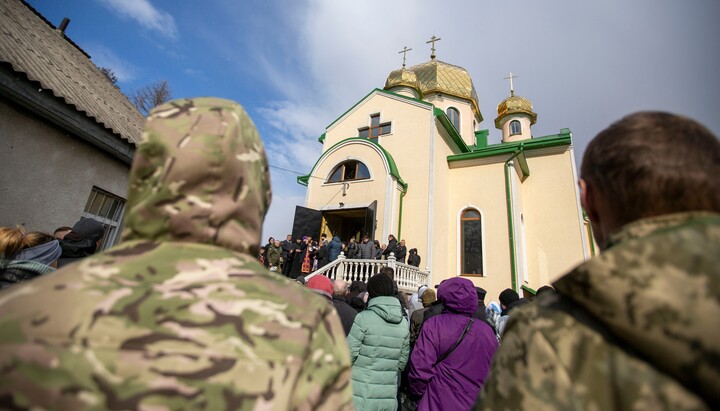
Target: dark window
(454,116)
(471,243)
(349,170)
(515,128)
(376,128)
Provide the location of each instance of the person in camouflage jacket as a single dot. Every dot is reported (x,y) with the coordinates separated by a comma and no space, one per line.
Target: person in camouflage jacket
(637,327)
(180,315)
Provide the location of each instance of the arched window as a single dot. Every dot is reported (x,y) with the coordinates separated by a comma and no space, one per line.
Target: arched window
(349,170)
(515,128)
(454,117)
(471,256)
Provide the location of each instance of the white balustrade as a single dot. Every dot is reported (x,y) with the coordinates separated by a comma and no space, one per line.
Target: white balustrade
(407,277)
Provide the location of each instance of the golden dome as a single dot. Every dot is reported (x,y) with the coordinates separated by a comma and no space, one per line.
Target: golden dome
(438,77)
(402,77)
(513,105)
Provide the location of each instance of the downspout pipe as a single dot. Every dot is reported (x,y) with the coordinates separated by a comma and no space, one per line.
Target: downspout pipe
(511,222)
(402,195)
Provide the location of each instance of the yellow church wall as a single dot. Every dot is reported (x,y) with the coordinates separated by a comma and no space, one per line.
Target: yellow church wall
(553,226)
(403,114)
(411,122)
(482,188)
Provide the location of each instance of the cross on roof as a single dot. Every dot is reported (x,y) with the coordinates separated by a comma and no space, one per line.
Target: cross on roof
(512,89)
(404,52)
(432,40)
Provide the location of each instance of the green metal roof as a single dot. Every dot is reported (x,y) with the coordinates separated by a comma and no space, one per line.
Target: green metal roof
(562,139)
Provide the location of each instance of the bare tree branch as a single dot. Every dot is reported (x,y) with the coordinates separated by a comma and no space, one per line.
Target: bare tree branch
(151,96)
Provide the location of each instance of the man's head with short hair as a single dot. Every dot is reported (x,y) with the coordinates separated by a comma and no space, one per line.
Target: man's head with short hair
(60,232)
(428,297)
(649,164)
(402,243)
(340,288)
(289,237)
(277,243)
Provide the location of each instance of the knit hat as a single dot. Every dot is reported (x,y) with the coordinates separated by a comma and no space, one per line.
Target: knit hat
(89,228)
(380,285)
(428,297)
(508,297)
(43,253)
(480,293)
(321,284)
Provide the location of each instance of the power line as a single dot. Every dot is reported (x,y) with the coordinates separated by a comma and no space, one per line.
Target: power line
(293,171)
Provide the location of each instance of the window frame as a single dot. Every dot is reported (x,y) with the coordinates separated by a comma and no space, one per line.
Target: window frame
(112,223)
(519,127)
(367,131)
(342,165)
(447,113)
(461,242)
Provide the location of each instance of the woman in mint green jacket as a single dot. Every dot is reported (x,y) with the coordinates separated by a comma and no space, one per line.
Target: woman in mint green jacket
(379,347)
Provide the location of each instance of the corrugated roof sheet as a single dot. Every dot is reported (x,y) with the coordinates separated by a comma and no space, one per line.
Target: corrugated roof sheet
(34,47)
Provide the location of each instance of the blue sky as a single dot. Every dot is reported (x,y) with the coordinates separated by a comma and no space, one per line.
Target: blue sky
(297,65)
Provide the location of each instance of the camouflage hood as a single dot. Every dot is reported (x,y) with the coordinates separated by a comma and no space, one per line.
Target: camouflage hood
(657,290)
(199,176)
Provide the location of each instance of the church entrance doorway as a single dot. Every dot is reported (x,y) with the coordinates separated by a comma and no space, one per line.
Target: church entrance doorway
(345,223)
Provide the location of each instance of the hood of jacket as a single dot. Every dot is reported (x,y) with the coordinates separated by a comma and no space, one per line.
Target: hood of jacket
(387,308)
(657,289)
(458,295)
(200,175)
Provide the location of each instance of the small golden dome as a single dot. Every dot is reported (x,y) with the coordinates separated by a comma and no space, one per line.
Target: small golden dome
(436,76)
(402,77)
(513,105)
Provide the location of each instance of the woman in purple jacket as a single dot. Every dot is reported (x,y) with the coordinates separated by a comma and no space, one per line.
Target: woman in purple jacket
(454,382)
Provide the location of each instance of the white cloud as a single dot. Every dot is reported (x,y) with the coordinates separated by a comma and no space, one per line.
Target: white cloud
(104,57)
(143,12)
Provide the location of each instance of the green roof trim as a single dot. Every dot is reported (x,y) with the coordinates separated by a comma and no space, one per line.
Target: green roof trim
(555,140)
(321,138)
(528,289)
(389,93)
(447,125)
(303,180)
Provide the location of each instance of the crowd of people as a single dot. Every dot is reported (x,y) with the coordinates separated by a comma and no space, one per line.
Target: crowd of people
(182,315)
(305,255)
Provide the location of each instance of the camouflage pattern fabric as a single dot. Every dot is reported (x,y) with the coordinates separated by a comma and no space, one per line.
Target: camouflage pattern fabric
(637,327)
(179,316)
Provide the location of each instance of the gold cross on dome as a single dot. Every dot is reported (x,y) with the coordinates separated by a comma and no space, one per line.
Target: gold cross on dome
(512,89)
(404,52)
(432,40)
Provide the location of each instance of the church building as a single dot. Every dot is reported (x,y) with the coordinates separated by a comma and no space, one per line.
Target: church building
(412,159)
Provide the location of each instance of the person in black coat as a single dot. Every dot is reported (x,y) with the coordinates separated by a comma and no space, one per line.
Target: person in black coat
(401,252)
(392,245)
(413,258)
(287,247)
(82,241)
(345,311)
